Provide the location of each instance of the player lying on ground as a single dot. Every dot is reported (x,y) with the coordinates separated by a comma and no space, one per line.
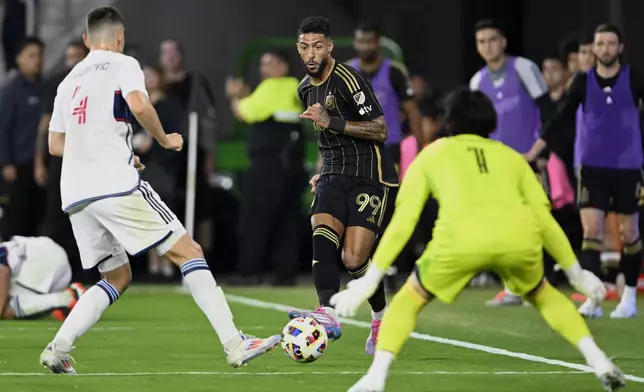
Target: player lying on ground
(34,279)
(354,190)
(494,215)
(111,210)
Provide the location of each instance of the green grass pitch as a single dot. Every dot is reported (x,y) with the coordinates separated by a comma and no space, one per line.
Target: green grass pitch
(155,340)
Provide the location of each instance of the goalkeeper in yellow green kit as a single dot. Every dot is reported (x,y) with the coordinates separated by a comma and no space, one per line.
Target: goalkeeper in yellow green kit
(493,214)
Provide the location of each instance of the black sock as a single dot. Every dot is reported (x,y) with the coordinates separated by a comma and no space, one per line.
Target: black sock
(591,256)
(610,274)
(378,301)
(631,262)
(326,258)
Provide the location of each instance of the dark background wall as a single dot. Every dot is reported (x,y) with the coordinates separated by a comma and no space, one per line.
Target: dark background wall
(436,35)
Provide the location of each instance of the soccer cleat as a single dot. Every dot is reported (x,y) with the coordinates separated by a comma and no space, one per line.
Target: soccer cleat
(505,299)
(251,348)
(368,384)
(589,310)
(78,288)
(613,380)
(332,327)
(75,290)
(372,340)
(57,362)
(624,311)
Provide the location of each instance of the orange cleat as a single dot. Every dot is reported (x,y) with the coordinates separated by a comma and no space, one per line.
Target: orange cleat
(75,290)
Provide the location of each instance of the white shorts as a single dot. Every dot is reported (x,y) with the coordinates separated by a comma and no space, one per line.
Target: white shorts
(45,270)
(105,229)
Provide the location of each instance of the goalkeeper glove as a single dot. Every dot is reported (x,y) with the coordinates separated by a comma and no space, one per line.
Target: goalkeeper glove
(358,291)
(586,283)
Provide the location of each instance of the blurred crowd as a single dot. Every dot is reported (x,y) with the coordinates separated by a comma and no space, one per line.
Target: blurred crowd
(263,229)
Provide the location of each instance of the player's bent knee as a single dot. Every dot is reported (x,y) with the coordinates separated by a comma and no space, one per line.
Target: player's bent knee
(119,277)
(327,220)
(353,258)
(629,230)
(415,283)
(184,250)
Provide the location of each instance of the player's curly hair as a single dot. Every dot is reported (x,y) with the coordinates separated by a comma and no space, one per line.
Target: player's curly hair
(315,25)
(469,112)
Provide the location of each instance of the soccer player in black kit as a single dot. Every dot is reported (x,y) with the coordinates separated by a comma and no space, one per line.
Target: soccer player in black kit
(355,191)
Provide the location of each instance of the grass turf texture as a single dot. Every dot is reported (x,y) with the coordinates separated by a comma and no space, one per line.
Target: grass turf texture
(154,330)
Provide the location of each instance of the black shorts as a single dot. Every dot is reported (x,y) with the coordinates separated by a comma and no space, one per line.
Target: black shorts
(355,201)
(616,190)
(393,151)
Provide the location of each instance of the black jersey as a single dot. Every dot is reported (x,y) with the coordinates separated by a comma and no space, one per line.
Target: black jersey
(346,94)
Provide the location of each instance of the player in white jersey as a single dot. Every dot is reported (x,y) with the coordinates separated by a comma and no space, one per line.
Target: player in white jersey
(111,210)
(35,278)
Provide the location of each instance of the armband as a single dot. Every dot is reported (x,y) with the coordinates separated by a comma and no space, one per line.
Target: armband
(337,124)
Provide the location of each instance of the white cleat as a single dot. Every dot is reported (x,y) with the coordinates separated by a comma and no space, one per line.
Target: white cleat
(57,362)
(251,348)
(368,384)
(613,380)
(624,311)
(589,310)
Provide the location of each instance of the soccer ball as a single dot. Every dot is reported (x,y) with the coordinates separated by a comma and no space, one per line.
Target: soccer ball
(304,339)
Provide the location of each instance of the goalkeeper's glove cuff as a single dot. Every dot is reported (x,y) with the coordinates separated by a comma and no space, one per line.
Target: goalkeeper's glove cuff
(374,274)
(574,272)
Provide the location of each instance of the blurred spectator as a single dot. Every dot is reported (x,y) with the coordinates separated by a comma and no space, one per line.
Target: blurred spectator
(419,87)
(161,165)
(391,85)
(569,54)
(20,114)
(195,95)
(14,30)
(47,168)
(274,182)
(586,55)
(560,164)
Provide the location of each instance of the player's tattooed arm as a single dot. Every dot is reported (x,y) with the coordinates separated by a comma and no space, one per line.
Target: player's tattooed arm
(375,130)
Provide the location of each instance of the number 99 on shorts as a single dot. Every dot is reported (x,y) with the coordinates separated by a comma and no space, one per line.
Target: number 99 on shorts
(364,201)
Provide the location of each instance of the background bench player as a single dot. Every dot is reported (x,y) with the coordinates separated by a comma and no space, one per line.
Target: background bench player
(111,210)
(494,214)
(35,278)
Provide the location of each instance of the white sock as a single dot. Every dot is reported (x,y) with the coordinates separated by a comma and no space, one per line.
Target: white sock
(378,315)
(26,305)
(629,296)
(87,312)
(382,361)
(594,356)
(211,300)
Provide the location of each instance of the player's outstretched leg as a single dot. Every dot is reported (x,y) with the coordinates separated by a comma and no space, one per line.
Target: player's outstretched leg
(562,316)
(398,323)
(26,305)
(117,275)
(239,348)
(358,245)
(326,275)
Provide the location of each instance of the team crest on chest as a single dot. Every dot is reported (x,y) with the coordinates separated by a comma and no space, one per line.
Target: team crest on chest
(359,98)
(329,102)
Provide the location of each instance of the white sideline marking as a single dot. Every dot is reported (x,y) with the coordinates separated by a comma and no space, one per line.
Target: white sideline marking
(421,336)
(119,329)
(508,373)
